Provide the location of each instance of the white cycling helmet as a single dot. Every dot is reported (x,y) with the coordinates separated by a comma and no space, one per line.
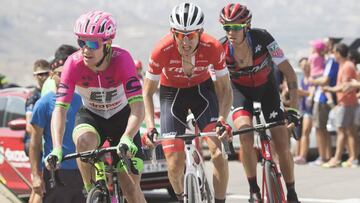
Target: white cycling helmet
(186,17)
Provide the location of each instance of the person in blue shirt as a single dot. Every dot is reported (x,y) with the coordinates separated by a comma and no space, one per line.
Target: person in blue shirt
(41,139)
(322,108)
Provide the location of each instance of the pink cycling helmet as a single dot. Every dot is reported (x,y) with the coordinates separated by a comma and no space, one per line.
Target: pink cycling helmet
(95,24)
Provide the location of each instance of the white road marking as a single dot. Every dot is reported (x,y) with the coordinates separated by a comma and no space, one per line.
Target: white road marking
(313,200)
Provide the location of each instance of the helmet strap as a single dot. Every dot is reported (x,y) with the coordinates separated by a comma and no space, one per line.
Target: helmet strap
(106,49)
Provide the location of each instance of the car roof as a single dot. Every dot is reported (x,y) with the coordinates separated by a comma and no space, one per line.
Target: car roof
(16,91)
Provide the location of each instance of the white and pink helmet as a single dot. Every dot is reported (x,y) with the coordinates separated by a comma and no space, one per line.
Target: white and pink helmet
(95,24)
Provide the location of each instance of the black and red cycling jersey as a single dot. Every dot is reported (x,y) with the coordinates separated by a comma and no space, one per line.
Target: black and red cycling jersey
(266,52)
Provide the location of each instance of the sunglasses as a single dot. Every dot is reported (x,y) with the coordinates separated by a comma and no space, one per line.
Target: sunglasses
(41,74)
(235,27)
(181,35)
(93,45)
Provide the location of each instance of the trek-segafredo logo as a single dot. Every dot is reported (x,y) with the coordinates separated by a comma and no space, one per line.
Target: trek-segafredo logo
(17,157)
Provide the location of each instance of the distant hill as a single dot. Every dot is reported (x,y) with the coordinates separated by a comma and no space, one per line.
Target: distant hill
(35,28)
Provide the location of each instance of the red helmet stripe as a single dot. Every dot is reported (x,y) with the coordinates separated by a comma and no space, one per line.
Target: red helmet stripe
(234,11)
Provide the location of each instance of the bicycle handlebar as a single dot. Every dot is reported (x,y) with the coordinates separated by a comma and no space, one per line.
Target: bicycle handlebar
(258,127)
(85,155)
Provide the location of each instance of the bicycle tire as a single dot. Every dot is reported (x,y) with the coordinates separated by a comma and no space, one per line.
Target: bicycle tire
(96,196)
(273,189)
(191,196)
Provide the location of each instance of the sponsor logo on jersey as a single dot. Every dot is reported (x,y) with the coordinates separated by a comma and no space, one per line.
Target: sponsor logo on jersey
(258,48)
(133,85)
(153,63)
(275,50)
(168,47)
(98,95)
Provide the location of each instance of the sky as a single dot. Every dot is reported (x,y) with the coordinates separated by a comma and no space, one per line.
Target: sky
(33,29)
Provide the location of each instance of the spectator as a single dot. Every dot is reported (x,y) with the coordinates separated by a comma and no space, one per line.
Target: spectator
(321,108)
(317,58)
(70,175)
(306,108)
(139,68)
(60,57)
(41,72)
(345,110)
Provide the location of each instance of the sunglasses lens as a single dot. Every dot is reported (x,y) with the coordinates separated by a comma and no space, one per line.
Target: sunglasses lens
(90,44)
(235,27)
(226,28)
(181,36)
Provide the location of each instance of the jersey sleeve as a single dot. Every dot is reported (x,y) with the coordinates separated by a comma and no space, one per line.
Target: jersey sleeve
(130,79)
(219,60)
(276,53)
(155,69)
(66,88)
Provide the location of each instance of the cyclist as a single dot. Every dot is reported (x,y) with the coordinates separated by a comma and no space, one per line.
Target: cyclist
(185,61)
(250,56)
(106,79)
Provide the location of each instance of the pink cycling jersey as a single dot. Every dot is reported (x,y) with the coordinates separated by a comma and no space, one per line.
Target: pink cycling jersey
(105,92)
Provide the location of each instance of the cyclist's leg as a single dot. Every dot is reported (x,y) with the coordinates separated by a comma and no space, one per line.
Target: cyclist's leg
(173,121)
(206,110)
(273,111)
(86,137)
(242,117)
(114,127)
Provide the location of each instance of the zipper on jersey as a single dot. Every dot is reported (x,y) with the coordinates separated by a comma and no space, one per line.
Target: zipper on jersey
(102,89)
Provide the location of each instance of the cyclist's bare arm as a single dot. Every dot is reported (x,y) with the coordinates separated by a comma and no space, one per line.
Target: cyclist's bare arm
(291,79)
(58,122)
(34,156)
(150,87)
(135,119)
(224,94)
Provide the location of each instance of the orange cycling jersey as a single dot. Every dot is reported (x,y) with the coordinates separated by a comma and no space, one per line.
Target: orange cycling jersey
(166,64)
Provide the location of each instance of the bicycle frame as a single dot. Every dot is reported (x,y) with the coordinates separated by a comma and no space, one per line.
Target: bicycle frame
(195,168)
(267,158)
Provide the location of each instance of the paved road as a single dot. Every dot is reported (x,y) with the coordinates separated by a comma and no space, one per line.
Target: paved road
(314,185)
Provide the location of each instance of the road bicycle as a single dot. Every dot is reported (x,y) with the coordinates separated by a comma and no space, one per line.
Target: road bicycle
(197,188)
(271,177)
(100,193)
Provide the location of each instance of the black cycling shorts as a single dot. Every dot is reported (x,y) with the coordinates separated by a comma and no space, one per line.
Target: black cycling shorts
(175,102)
(110,129)
(267,94)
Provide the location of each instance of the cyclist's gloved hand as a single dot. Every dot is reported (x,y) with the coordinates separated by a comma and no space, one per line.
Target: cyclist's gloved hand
(224,130)
(149,138)
(293,116)
(129,142)
(56,152)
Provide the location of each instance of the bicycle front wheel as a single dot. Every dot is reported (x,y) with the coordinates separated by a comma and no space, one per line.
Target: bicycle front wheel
(191,191)
(96,195)
(274,191)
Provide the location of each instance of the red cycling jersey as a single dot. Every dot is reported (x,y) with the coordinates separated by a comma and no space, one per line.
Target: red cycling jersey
(166,64)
